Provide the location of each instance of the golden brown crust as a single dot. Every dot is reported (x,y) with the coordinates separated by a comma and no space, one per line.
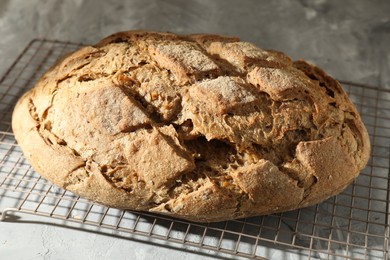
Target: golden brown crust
(200,127)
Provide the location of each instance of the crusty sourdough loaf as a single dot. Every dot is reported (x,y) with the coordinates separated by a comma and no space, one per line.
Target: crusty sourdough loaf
(200,127)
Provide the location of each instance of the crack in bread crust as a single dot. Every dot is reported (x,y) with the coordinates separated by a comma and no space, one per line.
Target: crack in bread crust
(200,127)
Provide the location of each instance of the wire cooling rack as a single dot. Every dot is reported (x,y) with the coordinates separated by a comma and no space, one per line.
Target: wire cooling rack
(352,225)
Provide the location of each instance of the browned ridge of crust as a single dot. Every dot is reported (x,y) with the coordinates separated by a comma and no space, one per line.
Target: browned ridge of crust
(200,127)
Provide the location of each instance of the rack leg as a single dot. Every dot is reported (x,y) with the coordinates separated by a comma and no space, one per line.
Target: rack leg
(3,214)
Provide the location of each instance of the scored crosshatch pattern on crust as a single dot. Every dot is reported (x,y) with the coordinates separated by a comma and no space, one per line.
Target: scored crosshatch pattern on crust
(352,225)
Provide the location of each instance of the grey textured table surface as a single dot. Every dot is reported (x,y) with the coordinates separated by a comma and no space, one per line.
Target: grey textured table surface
(349,39)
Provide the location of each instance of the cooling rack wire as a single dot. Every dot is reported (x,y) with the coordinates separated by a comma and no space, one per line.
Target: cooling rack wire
(352,225)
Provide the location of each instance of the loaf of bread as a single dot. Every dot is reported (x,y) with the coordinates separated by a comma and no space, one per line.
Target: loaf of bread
(199,127)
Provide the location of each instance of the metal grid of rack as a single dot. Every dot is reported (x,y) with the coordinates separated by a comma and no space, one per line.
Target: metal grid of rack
(352,225)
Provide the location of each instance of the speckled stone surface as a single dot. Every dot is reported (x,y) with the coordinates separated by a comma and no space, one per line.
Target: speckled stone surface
(350,39)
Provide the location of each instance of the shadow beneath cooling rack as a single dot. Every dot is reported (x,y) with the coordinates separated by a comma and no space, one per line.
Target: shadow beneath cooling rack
(278,236)
(12,218)
(267,254)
